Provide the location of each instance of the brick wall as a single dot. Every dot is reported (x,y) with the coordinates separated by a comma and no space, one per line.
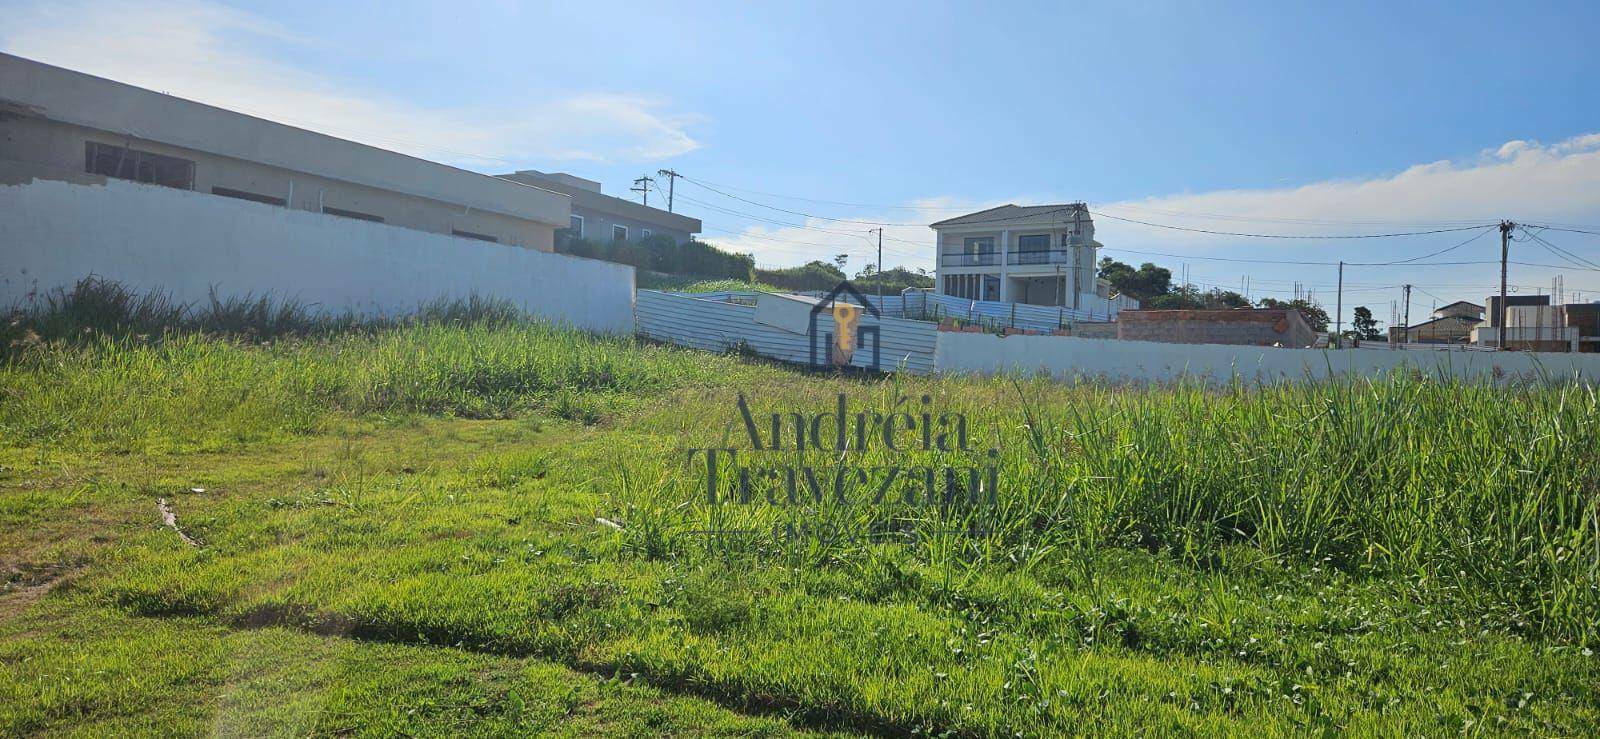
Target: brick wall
(1094,330)
(1260,327)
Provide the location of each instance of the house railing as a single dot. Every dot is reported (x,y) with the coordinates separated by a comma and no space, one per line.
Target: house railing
(1042,256)
(979,259)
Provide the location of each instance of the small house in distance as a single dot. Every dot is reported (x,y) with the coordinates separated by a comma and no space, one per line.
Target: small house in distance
(1250,326)
(1451,324)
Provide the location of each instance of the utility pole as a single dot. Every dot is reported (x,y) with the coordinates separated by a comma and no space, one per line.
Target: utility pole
(1406,318)
(642,186)
(1500,311)
(672,179)
(880,265)
(1338,310)
(1077,257)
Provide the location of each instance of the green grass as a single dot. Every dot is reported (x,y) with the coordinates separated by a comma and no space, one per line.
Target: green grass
(399,535)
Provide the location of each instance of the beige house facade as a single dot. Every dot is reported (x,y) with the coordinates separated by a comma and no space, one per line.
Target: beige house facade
(1032,255)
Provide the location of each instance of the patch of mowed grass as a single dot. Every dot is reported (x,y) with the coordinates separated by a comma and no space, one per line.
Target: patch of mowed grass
(74,668)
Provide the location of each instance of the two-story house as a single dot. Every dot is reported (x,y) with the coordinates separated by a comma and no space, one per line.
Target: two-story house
(1035,255)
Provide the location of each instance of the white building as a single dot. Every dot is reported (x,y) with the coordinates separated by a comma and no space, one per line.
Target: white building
(1033,255)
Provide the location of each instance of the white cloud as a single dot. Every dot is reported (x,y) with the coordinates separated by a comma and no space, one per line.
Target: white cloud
(213,54)
(1520,180)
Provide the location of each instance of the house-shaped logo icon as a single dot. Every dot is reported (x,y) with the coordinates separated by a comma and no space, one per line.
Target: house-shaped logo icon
(837,348)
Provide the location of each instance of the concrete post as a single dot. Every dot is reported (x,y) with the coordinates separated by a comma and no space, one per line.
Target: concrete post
(1005,259)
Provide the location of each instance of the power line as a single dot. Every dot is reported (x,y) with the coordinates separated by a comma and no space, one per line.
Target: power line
(1294,236)
(1568,230)
(1298,262)
(1122,206)
(704,183)
(1031,216)
(1558,251)
(1475,237)
(787,224)
(1286,220)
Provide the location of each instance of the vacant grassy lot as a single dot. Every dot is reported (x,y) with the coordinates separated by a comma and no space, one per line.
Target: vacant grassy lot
(476,526)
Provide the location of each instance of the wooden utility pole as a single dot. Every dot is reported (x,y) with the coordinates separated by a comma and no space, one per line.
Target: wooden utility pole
(642,186)
(880,265)
(1500,311)
(672,179)
(1338,311)
(1405,319)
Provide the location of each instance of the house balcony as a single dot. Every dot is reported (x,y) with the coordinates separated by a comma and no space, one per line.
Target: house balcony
(1046,256)
(978,259)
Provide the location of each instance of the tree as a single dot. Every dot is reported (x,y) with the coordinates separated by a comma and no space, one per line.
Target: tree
(894,280)
(1145,282)
(1219,298)
(1366,327)
(839,261)
(813,275)
(1315,316)
(1189,297)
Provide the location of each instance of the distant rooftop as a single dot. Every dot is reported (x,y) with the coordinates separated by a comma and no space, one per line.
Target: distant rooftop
(569,180)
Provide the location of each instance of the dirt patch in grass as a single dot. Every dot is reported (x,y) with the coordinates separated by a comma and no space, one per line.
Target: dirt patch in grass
(26,583)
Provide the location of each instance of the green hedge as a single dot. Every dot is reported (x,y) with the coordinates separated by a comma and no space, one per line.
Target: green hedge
(664,254)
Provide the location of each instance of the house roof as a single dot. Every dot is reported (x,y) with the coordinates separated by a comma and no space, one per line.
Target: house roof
(1459,302)
(588,196)
(1012,212)
(1466,320)
(137,114)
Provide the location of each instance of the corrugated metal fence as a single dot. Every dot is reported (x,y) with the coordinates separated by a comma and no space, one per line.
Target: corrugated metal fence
(726,322)
(927,305)
(1011,315)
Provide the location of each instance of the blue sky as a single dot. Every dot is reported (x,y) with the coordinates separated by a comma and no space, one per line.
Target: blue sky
(1259,117)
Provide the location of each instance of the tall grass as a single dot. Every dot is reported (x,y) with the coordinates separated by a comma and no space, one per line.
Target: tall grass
(96,307)
(101,366)
(1482,496)
(1474,489)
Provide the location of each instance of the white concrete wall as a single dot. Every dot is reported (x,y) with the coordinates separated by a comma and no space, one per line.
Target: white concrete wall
(53,234)
(1069,357)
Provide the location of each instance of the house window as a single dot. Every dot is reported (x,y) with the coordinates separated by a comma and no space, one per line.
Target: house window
(991,288)
(575,227)
(1034,242)
(356,214)
(475,236)
(619,233)
(980,245)
(229,192)
(645,233)
(140,166)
